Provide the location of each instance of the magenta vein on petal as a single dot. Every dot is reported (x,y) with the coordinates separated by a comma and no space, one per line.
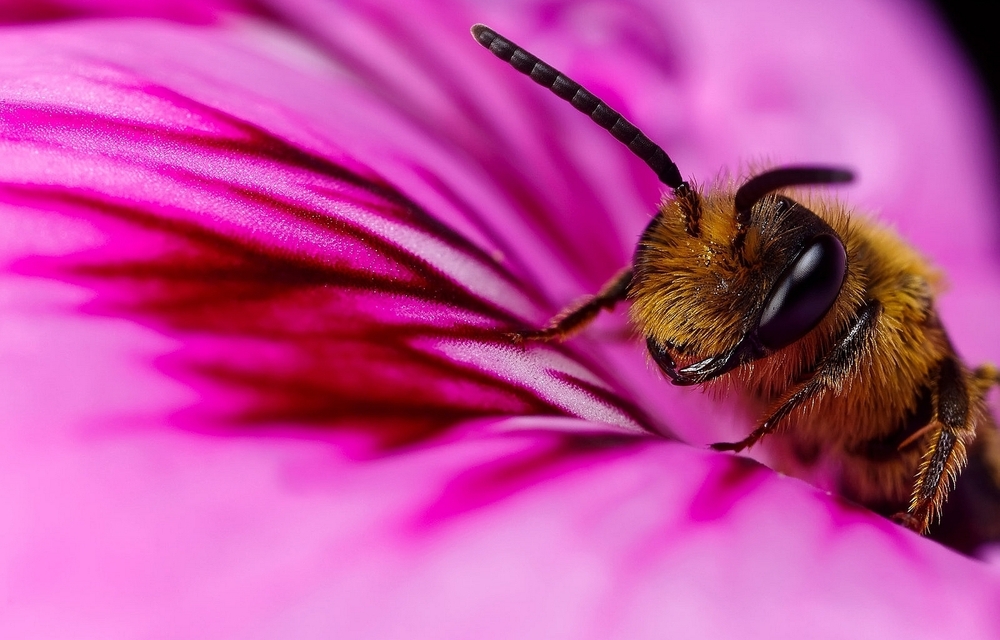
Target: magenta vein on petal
(534,368)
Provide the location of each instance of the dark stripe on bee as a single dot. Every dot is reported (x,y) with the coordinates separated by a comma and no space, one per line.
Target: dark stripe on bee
(584,101)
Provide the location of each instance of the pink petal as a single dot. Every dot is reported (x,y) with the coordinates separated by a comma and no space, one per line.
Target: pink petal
(318,232)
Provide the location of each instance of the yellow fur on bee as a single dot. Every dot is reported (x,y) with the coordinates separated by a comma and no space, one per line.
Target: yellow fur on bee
(694,292)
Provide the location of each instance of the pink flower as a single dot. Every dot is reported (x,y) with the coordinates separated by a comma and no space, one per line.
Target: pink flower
(258,261)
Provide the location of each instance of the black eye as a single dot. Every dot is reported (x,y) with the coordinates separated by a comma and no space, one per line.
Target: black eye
(804,293)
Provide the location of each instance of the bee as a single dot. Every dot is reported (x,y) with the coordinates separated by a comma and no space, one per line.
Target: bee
(823,320)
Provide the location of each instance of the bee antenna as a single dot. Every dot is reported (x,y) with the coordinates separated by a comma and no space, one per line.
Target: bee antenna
(570,91)
(760,185)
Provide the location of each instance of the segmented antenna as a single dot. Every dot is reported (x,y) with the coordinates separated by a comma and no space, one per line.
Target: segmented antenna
(623,130)
(760,185)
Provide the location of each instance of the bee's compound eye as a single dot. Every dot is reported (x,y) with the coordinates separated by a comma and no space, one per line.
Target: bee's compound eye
(805,292)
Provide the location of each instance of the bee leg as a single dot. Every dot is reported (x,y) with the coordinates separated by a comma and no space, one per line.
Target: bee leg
(830,373)
(582,312)
(954,427)
(971,517)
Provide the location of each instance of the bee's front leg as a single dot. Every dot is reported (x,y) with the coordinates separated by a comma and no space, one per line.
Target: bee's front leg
(958,406)
(831,371)
(582,312)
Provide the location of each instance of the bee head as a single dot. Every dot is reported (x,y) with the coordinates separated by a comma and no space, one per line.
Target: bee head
(731,276)
(722,279)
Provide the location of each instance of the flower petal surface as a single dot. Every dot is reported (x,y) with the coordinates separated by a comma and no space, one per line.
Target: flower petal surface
(259,261)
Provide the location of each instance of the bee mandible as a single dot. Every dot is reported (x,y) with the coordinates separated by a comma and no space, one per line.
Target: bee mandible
(825,321)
